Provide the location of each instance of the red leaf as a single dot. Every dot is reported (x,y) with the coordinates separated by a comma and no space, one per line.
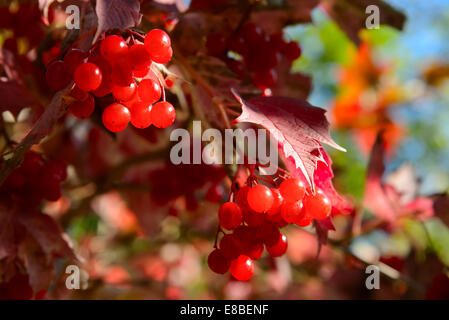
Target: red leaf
(119,14)
(375,198)
(47,233)
(42,127)
(15,97)
(322,228)
(295,124)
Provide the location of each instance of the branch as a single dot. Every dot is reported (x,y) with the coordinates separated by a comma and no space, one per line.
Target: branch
(55,110)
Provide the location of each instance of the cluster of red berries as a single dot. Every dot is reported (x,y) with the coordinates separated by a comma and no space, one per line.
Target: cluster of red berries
(255,217)
(124,70)
(260,53)
(35,180)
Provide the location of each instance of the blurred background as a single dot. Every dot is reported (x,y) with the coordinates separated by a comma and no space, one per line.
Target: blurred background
(149,237)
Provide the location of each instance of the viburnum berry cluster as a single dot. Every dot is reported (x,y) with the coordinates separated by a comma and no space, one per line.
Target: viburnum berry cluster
(124,69)
(36,179)
(258,53)
(254,218)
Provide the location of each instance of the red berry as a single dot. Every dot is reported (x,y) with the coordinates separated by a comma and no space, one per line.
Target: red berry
(318,205)
(141,72)
(56,76)
(214,193)
(241,198)
(230,215)
(260,198)
(116,117)
(292,51)
(51,188)
(122,74)
(114,49)
(254,251)
(237,44)
(265,79)
(252,34)
(104,88)
(158,44)
(73,59)
(163,114)
(242,268)
(87,76)
(57,169)
(32,163)
(292,211)
(83,108)
(304,222)
(268,233)
(78,94)
(279,248)
(217,262)
(292,189)
(138,56)
(253,219)
(141,115)
(230,246)
(124,93)
(215,44)
(149,90)
(277,202)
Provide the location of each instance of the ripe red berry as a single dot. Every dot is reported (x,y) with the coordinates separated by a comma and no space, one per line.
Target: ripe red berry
(104,88)
(265,79)
(253,219)
(163,114)
(277,202)
(279,248)
(217,262)
(292,211)
(241,198)
(252,34)
(32,163)
(56,76)
(304,222)
(124,93)
(158,44)
(149,90)
(230,215)
(318,205)
(141,72)
(114,49)
(73,59)
(292,51)
(230,246)
(242,268)
(268,233)
(83,108)
(116,117)
(237,44)
(138,56)
(254,251)
(141,115)
(215,43)
(260,198)
(122,74)
(292,189)
(87,76)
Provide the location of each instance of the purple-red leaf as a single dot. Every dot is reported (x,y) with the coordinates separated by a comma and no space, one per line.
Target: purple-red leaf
(297,126)
(119,14)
